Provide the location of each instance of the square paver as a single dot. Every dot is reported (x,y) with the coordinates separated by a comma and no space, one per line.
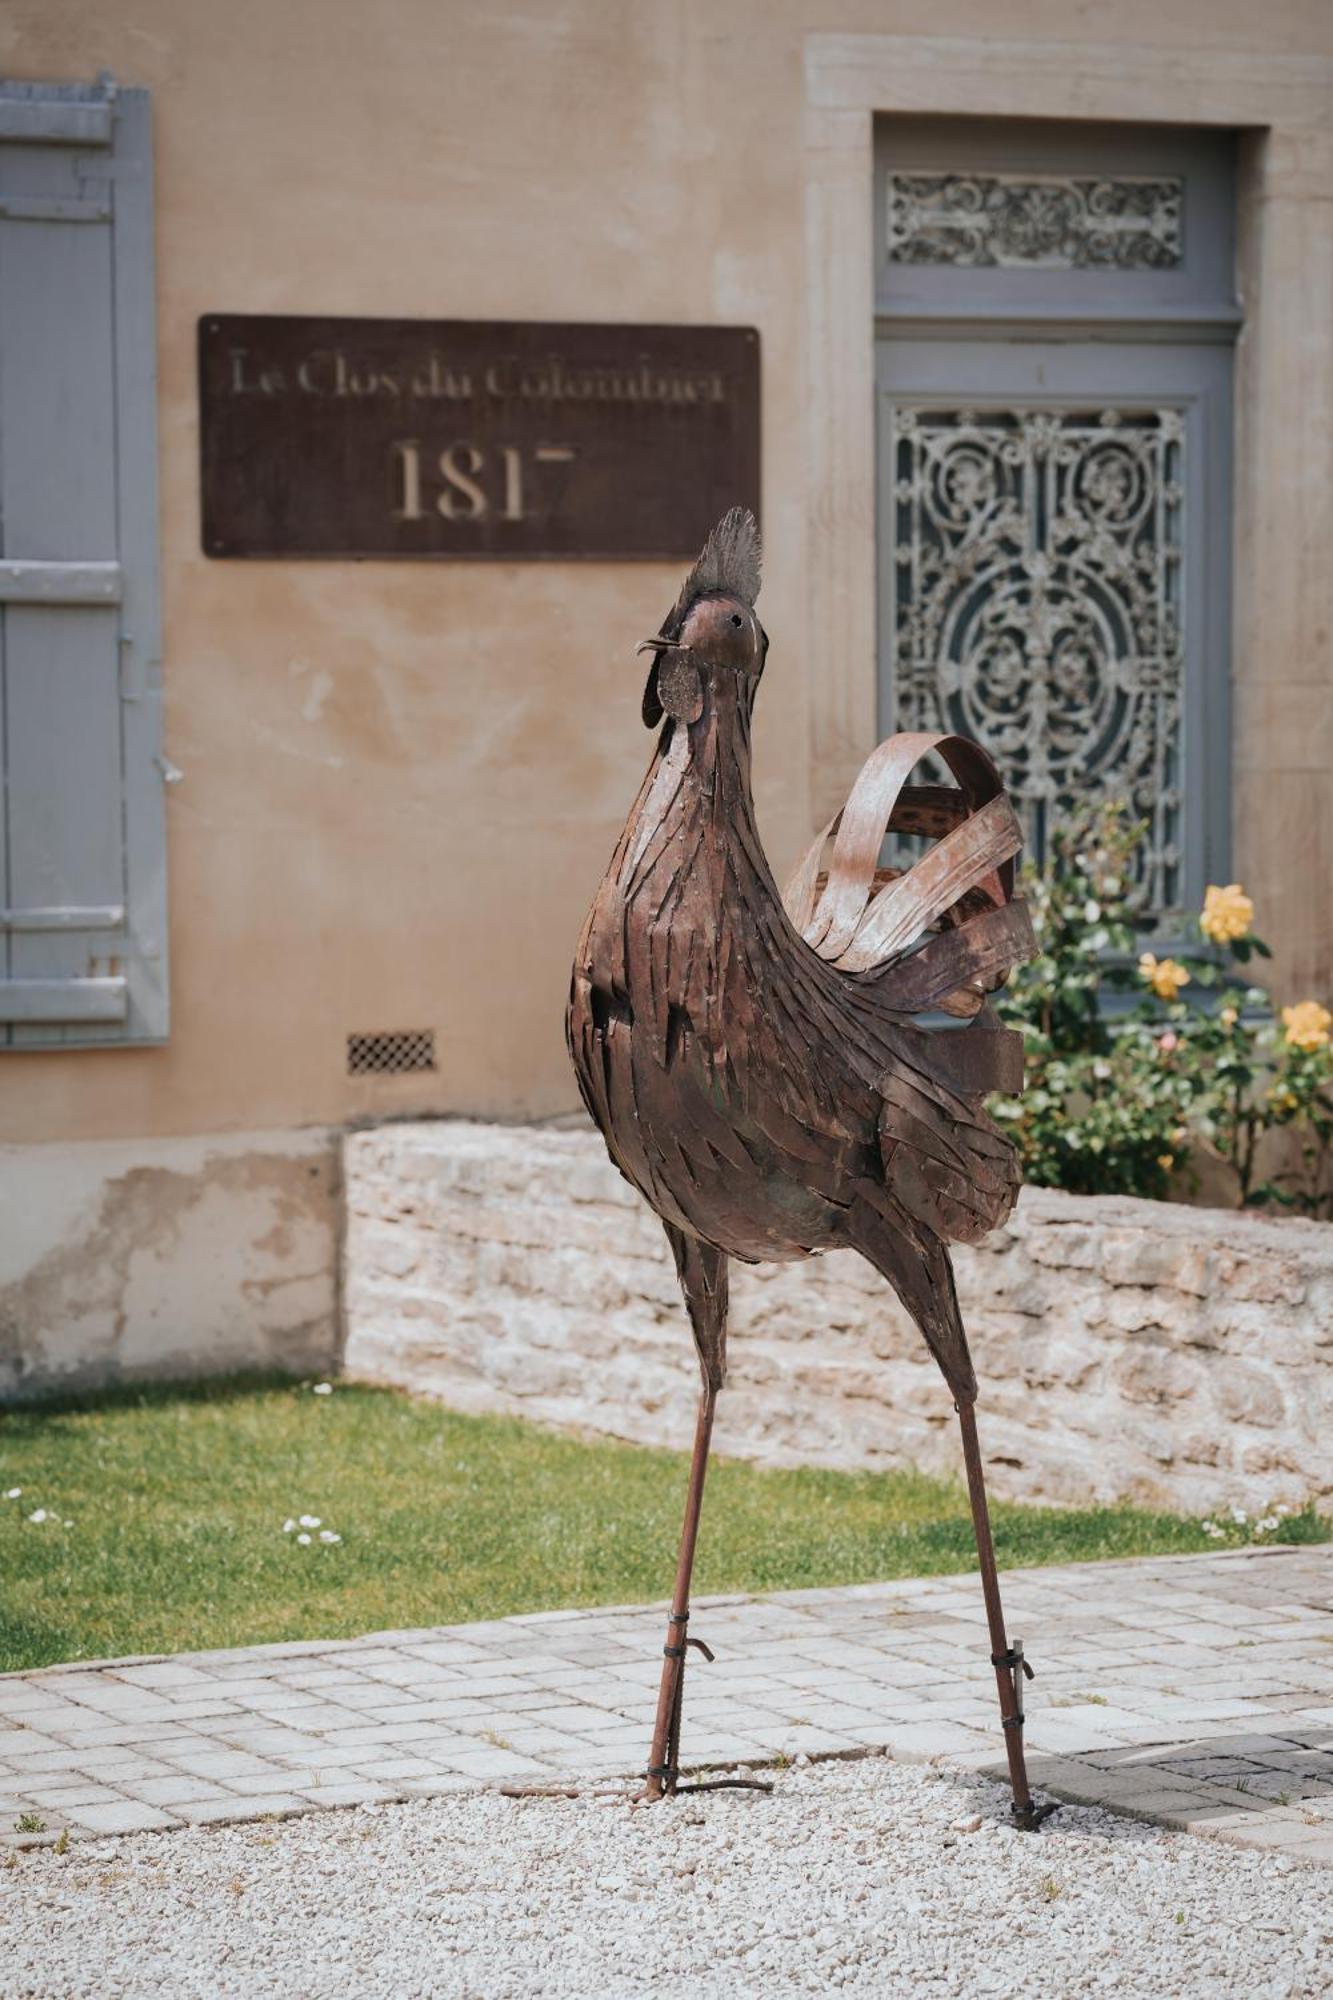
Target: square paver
(125,1816)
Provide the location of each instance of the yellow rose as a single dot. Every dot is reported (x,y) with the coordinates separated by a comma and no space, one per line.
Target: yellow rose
(1166,1161)
(1163,975)
(1227,913)
(1307,1025)
(1228,1017)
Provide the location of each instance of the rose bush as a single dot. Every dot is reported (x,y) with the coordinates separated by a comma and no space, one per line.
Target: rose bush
(1139,1065)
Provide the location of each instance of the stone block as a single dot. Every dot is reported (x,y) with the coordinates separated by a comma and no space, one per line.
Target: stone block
(1244,1393)
(1140,1258)
(1154,1375)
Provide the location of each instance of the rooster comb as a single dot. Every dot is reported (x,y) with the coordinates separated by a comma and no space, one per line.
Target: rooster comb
(729,562)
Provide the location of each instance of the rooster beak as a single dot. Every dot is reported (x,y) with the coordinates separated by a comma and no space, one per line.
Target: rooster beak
(658,645)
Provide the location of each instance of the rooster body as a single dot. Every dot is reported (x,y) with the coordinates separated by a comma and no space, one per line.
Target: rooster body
(765,1102)
(751,1059)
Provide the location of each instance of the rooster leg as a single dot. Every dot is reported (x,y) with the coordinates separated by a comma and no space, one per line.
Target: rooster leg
(663,1762)
(1008,1661)
(703,1279)
(922,1275)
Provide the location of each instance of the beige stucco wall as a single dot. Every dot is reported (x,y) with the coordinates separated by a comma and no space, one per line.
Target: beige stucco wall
(401,782)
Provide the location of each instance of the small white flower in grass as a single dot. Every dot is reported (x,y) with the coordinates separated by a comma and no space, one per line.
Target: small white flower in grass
(323,1388)
(37,1514)
(304,1540)
(327,1535)
(1239,1516)
(14,1493)
(310,1520)
(288,1526)
(1282,1509)
(69,1524)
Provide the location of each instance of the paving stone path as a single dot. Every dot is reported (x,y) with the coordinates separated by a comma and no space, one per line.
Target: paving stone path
(1195,1690)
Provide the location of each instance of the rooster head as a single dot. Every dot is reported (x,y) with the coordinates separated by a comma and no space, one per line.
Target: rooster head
(711,625)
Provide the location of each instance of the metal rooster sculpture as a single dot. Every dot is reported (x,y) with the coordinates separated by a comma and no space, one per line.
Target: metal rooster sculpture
(751,1057)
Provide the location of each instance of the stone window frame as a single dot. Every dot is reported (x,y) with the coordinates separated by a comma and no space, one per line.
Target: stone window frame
(1282,585)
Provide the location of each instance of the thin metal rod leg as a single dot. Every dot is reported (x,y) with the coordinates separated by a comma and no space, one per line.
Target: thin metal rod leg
(1008,1662)
(662,1764)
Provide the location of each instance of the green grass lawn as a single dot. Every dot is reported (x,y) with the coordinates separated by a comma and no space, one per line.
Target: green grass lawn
(165,1511)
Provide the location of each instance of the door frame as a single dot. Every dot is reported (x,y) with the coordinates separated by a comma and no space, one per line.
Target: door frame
(1282,594)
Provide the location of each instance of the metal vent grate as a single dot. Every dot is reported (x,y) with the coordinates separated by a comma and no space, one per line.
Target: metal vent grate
(391,1054)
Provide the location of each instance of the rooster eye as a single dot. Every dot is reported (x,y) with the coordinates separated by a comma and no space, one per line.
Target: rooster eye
(735,617)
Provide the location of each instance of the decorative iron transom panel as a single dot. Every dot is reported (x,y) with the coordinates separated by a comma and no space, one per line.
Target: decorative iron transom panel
(1038,606)
(1072,223)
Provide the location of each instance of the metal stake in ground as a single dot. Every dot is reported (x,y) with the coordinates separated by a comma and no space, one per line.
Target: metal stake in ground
(754,1060)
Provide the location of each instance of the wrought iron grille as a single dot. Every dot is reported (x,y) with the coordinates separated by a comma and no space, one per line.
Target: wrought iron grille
(1057,222)
(1038,607)
(391,1054)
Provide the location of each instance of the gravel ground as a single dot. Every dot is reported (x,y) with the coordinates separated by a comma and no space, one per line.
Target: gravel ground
(864,1878)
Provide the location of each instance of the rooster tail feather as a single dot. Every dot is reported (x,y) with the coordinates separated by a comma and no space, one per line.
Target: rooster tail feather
(943,932)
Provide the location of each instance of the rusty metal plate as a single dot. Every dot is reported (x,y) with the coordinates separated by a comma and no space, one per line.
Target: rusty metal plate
(472,438)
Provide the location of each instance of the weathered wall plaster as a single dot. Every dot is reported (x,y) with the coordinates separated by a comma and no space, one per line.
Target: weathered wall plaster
(167,1257)
(1126,1349)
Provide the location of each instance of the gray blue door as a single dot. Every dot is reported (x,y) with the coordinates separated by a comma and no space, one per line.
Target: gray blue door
(1055,329)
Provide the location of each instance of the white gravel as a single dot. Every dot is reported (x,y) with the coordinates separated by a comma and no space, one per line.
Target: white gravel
(859,1878)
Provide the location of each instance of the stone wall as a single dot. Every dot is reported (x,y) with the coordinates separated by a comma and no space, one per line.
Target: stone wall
(1126,1349)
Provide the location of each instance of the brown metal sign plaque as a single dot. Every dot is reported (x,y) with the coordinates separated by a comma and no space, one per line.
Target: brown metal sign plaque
(510,439)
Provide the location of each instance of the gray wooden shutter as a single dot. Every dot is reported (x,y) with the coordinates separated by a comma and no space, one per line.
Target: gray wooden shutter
(82,858)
